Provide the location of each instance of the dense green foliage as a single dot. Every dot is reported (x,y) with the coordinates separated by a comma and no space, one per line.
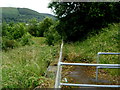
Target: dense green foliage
(77,19)
(45,28)
(38,28)
(26,67)
(22,14)
(15,34)
(44,25)
(86,51)
(52,36)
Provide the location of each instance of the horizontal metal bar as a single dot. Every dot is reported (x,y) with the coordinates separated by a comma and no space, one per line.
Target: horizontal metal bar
(108,53)
(106,67)
(89,85)
(87,64)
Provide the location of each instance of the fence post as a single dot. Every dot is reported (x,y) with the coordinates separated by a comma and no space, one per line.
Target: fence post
(97,68)
(59,69)
(98,56)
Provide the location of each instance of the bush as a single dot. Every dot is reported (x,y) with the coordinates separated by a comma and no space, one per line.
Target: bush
(14,34)
(26,40)
(7,43)
(33,27)
(45,25)
(52,35)
(14,31)
(18,30)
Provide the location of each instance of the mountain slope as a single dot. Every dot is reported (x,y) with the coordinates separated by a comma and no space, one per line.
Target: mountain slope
(22,14)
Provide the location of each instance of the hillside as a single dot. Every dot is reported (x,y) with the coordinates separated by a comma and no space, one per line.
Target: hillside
(106,41)
(22,14)
(86,52)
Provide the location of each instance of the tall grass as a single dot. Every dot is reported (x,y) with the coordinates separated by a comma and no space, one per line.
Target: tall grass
(25,67)
(86,51)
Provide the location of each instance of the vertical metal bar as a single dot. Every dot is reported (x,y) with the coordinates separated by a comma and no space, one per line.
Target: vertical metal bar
(60,76)
(0,48)
(97,68)
(59,68)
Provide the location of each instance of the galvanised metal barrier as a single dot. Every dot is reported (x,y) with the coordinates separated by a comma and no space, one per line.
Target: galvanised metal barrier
(98,58)
(59,69)
(58,83)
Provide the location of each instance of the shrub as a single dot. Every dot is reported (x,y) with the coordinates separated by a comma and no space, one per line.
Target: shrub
(26,40)
(45,25)
(7,43)
(52,35)
(14,31)
(18,30)
(14,34)
(33,27)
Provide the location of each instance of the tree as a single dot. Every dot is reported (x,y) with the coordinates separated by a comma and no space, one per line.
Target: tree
(38,29)
(52,36)
(44,25)
(33,27)
(77,19)
(14,34)
(19,30)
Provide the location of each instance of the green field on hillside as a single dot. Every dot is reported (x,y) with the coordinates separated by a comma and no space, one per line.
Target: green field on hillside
(10,12)
(21,14)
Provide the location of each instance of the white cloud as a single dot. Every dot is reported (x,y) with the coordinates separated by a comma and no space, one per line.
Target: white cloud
(38,5)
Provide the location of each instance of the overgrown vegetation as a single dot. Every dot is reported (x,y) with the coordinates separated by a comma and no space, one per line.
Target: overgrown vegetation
(14,35)
(26,55)
(86,51)
(28,49)
(19,34)
(25,67)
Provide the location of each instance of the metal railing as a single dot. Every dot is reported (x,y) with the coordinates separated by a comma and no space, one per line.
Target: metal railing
(59,69)
(98,58)
(89,85)
(58,83)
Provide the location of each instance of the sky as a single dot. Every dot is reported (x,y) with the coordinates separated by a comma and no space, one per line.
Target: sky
(37,5)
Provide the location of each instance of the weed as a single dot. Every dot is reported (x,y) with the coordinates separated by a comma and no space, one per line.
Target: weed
(24,67)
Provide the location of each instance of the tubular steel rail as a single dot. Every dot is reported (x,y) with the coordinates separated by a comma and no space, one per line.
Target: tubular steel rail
(89,85)
(59,69)
(98,57)
(58,83)
(90,64)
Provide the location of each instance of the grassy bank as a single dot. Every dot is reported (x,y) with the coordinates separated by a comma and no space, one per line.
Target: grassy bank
(86,51)
(25,67)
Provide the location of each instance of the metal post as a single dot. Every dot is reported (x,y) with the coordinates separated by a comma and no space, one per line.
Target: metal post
(97,68)
(59,68)
(98,56)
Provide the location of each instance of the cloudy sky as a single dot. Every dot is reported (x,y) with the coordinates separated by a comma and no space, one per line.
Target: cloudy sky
(37,5)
